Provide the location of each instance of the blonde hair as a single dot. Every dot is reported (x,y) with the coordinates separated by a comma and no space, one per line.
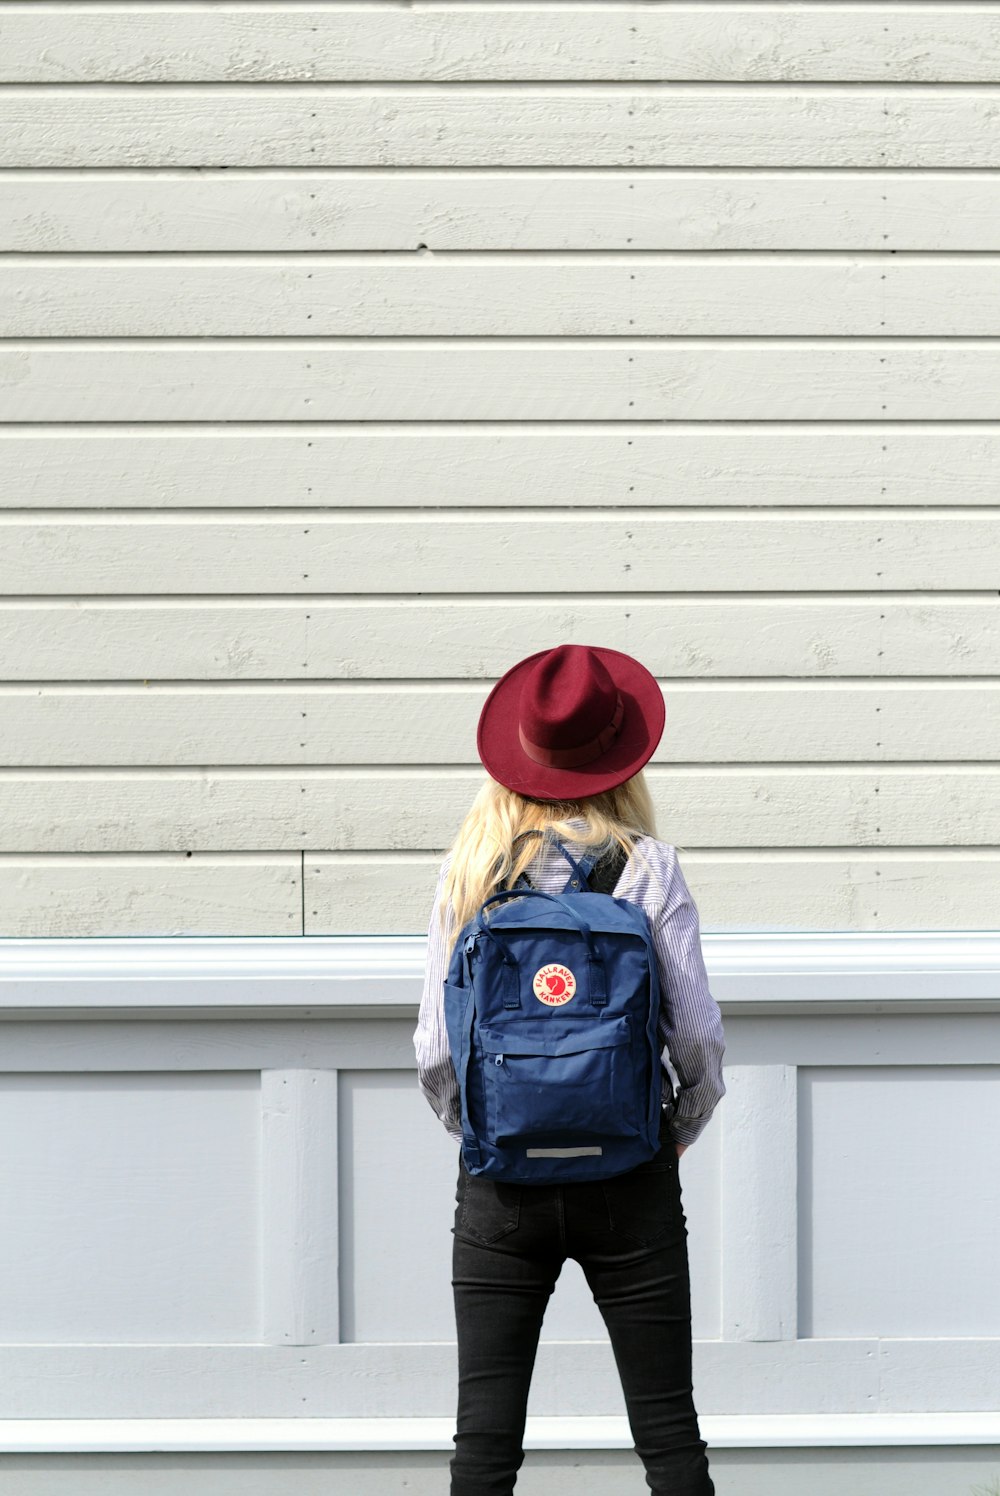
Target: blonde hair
(484,858)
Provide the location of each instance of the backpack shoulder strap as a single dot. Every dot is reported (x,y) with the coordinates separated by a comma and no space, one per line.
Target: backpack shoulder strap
(605,874)
(524,877)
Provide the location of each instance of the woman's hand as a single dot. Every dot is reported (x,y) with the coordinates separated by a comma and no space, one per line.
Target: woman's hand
(680,1148)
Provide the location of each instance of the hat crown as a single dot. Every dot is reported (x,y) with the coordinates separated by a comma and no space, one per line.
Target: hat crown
(567,698)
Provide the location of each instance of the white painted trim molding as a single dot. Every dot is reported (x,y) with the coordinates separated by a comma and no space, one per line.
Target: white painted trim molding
(323,976)
(744,1431)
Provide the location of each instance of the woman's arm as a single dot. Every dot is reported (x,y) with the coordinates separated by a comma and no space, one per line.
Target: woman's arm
(690,1021)
(435,1069)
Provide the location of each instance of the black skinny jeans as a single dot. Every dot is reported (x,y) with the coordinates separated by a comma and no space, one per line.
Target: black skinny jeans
(628,1234)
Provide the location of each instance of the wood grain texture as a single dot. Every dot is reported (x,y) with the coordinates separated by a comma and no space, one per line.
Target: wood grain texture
(501,379)
(859,888)
(603,552)
(197,1381)
(465,637)
(522,124)
(450,43)
(348,723)
(750,294)
(759,1233)
(580,209)
(402,808)
(299,1267)
(84,894)
(438,465)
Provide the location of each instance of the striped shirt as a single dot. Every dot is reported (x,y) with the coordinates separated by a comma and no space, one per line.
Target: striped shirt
(690,1026)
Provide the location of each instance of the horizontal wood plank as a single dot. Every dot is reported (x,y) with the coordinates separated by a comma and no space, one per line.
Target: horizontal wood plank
(524,124)
(495,467)
(735,723)
(774,889)
(759,294)
(449,379)
(452,43)
(460,638)
(216,209)
(77,896)
(91,1383)
(397,552)
(225,810)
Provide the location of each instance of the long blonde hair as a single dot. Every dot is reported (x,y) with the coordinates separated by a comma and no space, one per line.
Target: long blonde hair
(484,858)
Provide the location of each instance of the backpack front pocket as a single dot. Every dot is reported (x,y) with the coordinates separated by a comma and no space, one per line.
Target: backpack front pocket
(577,1086)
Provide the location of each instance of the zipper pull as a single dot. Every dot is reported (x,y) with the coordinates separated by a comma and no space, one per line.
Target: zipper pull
(498,1059)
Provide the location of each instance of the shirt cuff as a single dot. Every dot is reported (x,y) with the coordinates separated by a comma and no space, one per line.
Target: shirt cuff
(688,1129)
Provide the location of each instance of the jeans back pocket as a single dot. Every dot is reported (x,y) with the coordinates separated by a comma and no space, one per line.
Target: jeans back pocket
(487,1208)
(644,1204)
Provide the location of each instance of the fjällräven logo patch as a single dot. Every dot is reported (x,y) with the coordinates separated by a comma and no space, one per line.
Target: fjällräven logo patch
(554,984)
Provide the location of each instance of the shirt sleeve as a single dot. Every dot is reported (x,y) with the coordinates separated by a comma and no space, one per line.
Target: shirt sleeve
(435,1071)
(690,1020)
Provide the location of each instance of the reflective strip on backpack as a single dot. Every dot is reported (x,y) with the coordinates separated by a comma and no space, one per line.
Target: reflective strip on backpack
(561,1152)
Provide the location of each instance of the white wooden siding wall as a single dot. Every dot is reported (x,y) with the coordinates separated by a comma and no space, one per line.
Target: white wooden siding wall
(351,353)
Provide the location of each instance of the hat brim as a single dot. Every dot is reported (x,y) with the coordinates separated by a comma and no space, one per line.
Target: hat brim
(501,754)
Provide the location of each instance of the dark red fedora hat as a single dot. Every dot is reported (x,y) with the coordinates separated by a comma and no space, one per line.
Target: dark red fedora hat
(570,721)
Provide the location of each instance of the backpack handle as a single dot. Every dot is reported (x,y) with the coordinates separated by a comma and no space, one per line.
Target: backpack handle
(598,984)
(557,898)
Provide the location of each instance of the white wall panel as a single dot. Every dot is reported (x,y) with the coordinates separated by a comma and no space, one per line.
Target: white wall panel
(397,1231)
(899,1173)
(400,1170)
(130,1206)
(397,1180)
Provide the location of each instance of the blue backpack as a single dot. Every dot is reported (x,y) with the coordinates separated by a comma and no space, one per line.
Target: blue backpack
(551,1006)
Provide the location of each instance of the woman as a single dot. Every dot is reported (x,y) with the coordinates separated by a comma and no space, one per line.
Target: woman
(564,735)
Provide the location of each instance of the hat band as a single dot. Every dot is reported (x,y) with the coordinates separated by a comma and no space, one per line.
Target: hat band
(583,753)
